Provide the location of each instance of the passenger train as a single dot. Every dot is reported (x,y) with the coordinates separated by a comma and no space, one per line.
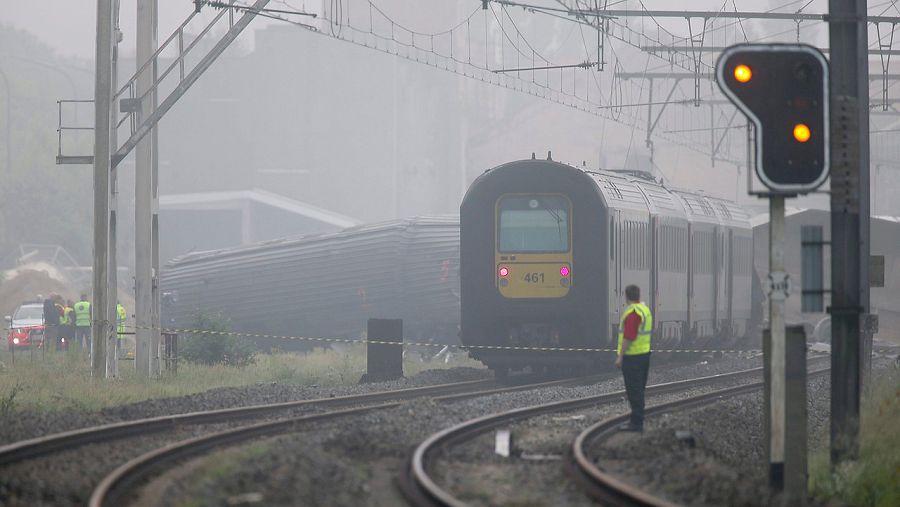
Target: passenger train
(547,249)
(539,256)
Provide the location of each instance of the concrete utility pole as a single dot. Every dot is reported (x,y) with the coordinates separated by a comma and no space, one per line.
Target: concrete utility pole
(102,163)
(848,34)
(144,184)
(112,342)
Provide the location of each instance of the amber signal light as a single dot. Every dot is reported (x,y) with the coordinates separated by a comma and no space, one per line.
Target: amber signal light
(801,132)
(742,73)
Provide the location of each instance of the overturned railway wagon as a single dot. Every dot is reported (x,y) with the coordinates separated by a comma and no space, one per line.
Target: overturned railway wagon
(326,285)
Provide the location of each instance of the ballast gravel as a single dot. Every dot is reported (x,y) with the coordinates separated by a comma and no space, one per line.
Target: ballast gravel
(725,461)
(358,460)
(68,478)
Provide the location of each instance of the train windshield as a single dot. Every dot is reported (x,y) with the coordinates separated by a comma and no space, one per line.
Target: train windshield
(534,223)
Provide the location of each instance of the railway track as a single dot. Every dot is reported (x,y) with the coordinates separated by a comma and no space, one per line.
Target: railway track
(423,490)
(115,488)
(607,489)
(68,440)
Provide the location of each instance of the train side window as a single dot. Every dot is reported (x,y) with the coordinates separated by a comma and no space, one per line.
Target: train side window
(635,247)
(612,239)
(660,249)
(640,244)
(646,237)
(642,237)
(628,247)
(630,257)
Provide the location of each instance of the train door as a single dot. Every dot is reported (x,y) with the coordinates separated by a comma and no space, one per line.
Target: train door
(620,256)
(691,251)
(715,239)
(616,253)
(729,278)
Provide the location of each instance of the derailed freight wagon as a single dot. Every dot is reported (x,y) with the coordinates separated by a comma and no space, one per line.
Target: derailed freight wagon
(326,285)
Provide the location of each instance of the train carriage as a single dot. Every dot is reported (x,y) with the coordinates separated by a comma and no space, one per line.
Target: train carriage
(547,250)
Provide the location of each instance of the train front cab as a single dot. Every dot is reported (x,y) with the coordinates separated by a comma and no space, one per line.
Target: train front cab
(529,277)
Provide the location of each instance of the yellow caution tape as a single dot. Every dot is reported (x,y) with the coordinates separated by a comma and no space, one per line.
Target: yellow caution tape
(420,344)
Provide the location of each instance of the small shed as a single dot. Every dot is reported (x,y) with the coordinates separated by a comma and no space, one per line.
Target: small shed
(885,241)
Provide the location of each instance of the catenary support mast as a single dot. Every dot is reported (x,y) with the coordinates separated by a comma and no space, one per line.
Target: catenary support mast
(849,218)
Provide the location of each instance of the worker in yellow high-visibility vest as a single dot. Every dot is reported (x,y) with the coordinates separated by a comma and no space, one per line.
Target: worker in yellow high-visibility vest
(82,311)
(633,354)
(120,320)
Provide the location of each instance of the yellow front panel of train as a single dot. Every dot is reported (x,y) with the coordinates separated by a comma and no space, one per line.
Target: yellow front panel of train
(533,248)
(534,280)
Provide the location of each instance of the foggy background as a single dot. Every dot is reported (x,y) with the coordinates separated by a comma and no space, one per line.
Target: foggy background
(293,131)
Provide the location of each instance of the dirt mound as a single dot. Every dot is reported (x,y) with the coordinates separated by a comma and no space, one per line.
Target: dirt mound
(26,285)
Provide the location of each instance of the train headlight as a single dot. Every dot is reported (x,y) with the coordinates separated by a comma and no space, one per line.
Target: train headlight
(15,341)
(503,271)
(564,271)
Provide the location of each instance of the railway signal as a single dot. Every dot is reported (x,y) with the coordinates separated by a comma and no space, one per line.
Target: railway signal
(783,90)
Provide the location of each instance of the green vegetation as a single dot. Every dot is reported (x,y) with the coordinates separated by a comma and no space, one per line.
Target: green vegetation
(63,380)
(217,347)
(874,479)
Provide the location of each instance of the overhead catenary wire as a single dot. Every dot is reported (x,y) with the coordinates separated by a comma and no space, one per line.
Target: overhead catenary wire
(572,89)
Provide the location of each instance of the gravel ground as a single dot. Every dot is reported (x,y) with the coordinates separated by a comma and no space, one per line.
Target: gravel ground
(727,464)
(355,461)
(68,478)
(25,424)
(538,472)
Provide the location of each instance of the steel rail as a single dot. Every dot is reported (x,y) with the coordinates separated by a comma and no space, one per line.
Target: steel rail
(421,489)
(57,442)
(114,488)
(607,489)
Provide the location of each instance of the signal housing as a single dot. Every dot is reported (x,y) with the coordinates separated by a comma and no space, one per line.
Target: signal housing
(787,87)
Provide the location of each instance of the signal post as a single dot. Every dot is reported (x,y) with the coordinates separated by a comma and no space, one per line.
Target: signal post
(783,91)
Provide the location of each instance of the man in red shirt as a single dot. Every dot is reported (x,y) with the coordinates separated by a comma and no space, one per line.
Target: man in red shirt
(633,354)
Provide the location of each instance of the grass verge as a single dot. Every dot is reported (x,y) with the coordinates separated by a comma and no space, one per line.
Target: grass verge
(59,381)
(873,479)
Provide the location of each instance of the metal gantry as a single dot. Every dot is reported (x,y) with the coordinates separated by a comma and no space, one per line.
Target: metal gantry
(137,103)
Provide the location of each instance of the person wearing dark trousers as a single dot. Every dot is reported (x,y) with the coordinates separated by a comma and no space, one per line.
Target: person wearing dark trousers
(82,310)
(51,321)
(633,354)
